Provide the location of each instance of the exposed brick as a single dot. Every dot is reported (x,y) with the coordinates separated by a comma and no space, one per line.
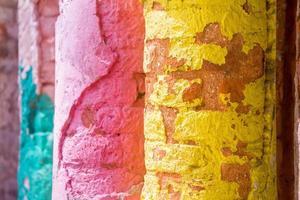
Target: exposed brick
(47,49)
(48,8)
(46,25)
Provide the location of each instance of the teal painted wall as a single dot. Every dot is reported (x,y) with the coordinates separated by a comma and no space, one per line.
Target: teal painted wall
(35,161)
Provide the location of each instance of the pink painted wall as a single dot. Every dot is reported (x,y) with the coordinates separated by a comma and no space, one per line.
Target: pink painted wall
(98,148)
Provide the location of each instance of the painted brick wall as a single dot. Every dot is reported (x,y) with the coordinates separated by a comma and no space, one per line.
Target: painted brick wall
(36,68)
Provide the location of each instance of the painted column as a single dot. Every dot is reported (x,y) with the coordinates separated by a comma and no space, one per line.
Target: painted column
(98,141)
(209,113)
(36,80)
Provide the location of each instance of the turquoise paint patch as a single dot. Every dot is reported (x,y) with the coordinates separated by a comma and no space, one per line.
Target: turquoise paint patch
(35,162)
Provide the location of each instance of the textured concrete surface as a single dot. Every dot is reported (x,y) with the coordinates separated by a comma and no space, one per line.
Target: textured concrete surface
(9,119)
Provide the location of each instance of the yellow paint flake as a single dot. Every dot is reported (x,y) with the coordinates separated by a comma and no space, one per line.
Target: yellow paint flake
(195,54)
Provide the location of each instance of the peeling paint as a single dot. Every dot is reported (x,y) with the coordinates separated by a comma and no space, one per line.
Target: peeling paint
(207,101)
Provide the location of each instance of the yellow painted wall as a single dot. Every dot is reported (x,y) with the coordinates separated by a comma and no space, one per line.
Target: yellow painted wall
(209,113)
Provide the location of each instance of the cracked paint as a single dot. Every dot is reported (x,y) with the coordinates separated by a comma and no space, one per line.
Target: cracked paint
(208,117)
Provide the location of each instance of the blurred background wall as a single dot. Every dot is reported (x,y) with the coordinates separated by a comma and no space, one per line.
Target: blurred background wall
(9,119)
(36,20)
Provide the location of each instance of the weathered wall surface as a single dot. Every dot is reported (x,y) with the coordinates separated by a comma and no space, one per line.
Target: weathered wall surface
(98,149)
(9,119)
(36,78)
(210,92)
(209,118)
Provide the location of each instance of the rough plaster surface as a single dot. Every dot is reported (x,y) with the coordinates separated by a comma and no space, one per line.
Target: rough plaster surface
(9,119)
(98,149)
